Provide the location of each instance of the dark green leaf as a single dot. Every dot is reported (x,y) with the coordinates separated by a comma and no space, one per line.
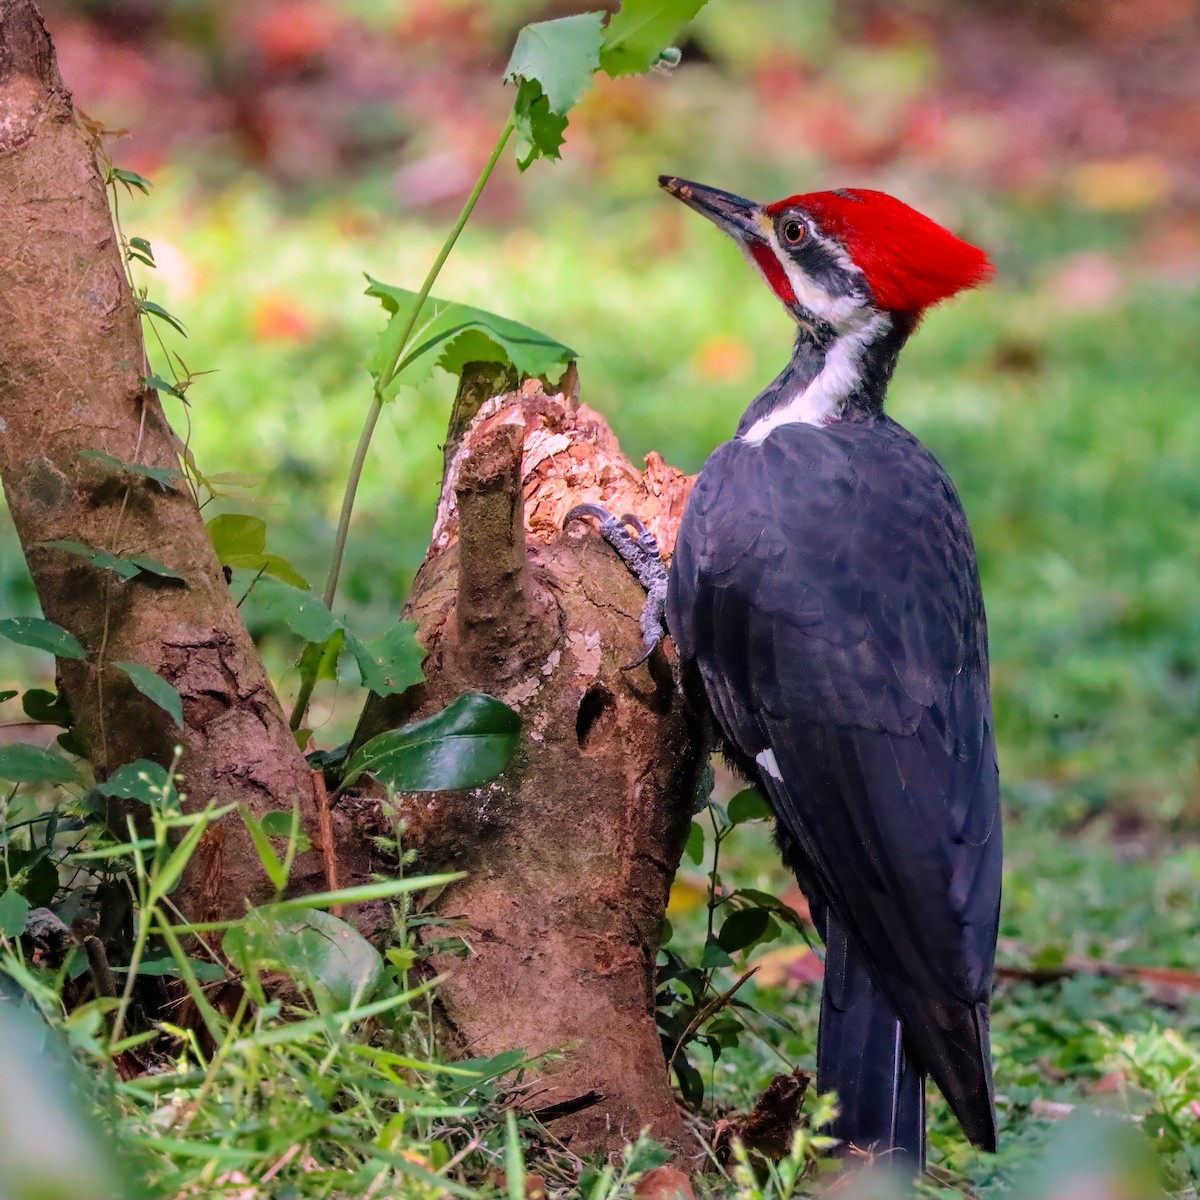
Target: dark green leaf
(161,385)
(154,687)
(466,745)
(315,948)
(156,310)
(646,1154)
(286,825)
(748,805)
(126,568)
(203,969)
(47,708)
(665,932)
(167,477)
(772,904)
(640,32)
(141,249)
(42,635)
(691,1082)
(539,131)
(7,694)
(141,780)
(392,663)
(561,55)
(695,843)
(715,955)
(441,337)
(14,912)
(22,763)
(742,928)
(302,612)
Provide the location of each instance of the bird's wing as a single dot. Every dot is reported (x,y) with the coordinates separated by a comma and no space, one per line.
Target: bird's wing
(824,591)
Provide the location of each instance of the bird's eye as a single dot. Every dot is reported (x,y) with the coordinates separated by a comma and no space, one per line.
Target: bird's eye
(794,231)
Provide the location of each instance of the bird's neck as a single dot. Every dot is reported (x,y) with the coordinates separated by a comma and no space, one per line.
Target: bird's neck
(831,377)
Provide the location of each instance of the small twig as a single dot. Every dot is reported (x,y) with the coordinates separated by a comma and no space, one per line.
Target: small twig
(325,831)
(713,1006)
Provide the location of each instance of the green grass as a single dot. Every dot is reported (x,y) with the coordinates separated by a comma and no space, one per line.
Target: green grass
(1076,462)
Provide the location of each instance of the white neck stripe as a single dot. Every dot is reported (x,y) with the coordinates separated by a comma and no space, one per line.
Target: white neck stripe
(821,399)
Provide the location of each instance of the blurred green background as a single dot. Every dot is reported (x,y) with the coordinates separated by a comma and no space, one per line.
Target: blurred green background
(296,144)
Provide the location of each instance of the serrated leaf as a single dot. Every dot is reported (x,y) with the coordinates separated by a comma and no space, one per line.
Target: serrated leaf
(154,687)
(539,131)
(41,635)
(14,913)
(748,805)
(561,55)
(640,32)
(167,477)
(22,763)
(303,613)
(466,745)
(392,663)
(437,332)
(315,948)
(742,928)
(140,780)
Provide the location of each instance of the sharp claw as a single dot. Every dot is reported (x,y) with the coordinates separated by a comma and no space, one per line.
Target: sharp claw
(587,510)
(641,658)
(636,521)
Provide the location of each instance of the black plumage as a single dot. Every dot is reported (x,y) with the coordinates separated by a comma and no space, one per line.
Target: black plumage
(826,606)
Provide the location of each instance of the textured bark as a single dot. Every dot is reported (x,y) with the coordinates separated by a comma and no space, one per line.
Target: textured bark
(570,854)
(71,361)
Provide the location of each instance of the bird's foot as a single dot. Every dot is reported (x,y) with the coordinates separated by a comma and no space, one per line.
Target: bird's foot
(639,552)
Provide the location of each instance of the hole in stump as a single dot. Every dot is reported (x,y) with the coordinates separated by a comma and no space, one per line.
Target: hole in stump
(596,710)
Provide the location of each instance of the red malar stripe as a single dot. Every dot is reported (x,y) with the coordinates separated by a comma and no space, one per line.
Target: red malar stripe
(776,276)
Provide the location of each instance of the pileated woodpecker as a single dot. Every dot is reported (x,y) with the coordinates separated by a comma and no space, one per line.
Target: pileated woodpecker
(825,604)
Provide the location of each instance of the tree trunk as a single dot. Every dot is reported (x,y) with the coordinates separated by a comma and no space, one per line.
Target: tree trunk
(71,381)
(570,854)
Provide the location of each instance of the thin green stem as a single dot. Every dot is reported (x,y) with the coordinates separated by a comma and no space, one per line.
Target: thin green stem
(388,374)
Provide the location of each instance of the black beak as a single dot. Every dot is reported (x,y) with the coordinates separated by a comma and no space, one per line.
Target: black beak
(738,217)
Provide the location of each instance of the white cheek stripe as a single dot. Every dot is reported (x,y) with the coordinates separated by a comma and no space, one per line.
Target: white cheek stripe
(833,310)
(819,402)
(766,760)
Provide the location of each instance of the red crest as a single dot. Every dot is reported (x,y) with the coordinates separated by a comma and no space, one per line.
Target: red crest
(910,262)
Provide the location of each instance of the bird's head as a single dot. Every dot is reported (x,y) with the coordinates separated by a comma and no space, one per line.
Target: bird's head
(839,260)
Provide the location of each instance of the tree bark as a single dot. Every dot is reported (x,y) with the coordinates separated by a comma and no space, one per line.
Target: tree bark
(73,361)
(570,854)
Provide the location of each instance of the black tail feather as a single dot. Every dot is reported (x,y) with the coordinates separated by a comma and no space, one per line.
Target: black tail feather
(861,1056)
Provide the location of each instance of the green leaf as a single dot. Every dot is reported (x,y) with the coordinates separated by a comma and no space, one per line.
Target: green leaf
(141,249)
(442,327)
(695,843)
(742,928)
(7,694)
(539,131)
(42,635)
(126,568)
(150,308)
(316,949)
(14,912)
(392,663)
(281,824)
(202,968)
(154,687)
(241,541)
(159,384)
(641,31)
(466,745)
(715,955)
(561,55)
(276,871)
(47,708)
(131,180)
(22,763)
(302,612)
(749,805)
(166,477)
(319,659)
(140,780)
